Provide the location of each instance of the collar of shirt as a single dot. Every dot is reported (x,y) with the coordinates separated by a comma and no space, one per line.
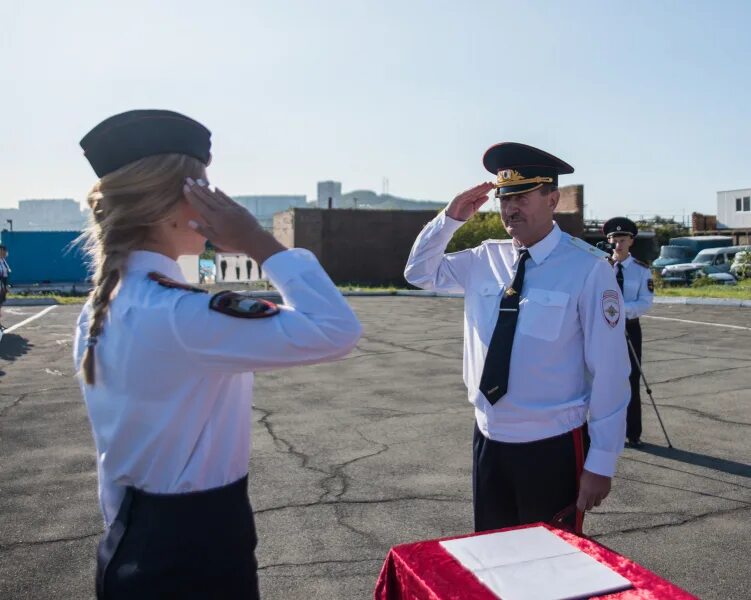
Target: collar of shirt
(145,261)
(542,249)
(626,262)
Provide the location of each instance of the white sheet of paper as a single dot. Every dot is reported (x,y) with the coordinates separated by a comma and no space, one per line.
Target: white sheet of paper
(533,564)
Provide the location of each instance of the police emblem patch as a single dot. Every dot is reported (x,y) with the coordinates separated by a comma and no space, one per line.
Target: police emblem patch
(242,305)
(650,285)
(611,307)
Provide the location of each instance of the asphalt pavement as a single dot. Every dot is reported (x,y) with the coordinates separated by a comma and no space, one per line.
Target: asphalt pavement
(353,457)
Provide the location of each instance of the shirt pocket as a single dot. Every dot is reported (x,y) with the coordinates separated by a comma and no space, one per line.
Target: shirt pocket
(482,307)
(541,313)
(630,290)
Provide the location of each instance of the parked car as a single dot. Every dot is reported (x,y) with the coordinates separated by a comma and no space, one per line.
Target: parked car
(715,263)
(681,250)
(741,267)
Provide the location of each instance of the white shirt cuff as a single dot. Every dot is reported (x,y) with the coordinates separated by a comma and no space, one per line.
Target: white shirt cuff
(601,462)
(288,264)
(449,224)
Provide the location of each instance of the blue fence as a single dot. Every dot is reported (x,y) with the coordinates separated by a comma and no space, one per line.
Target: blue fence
(44,257)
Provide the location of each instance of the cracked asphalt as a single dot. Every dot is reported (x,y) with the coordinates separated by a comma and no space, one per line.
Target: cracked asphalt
(374,450)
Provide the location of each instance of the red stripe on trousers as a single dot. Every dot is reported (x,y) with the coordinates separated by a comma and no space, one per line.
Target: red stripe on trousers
(579,453)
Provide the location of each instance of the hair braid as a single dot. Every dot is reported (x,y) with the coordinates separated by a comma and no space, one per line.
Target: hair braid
(125,205)
(108,276)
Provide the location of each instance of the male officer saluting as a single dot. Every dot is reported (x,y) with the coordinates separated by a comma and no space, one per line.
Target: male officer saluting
(543,346)
(635,282)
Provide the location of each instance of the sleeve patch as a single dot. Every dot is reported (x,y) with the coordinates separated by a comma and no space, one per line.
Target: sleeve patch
(165,281)
(242,305)
(611,307)
(650,285)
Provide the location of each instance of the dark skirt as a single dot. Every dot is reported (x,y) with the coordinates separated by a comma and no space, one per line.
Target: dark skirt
(194,545)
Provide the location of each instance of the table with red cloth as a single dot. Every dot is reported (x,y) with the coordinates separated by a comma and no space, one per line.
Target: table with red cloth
(425,571)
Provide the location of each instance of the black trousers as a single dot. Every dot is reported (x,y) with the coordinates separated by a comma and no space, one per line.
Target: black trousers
(633,414)
(194,545)
(515,484)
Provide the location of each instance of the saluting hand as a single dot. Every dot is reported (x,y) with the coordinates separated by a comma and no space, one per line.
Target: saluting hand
(468,203)
(228,225)
(593,489)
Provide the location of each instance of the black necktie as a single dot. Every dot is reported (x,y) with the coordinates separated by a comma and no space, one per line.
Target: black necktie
(494,381)
(619,276)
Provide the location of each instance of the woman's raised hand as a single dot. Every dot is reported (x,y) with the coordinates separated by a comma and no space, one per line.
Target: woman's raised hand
(228,225)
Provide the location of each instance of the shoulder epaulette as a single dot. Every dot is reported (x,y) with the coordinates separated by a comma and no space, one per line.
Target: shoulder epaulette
(506,241)
(641,263)
(589,248)
(165,281)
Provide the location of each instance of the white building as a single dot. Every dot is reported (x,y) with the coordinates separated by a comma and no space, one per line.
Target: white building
(329,191)
(734,209)
(44,215)
(264,208)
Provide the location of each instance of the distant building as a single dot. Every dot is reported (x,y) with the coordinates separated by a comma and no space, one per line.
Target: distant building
(44,215)
(366,199)
(354,246)
(263,208)
(734,209)
(329,191)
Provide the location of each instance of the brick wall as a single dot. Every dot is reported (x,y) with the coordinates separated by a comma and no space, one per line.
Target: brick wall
(569,214)
(572,199)
(700,222)
(357,246)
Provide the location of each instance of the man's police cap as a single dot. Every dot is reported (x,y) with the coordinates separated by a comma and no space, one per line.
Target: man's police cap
(521,168)
(130,136)
(620,226)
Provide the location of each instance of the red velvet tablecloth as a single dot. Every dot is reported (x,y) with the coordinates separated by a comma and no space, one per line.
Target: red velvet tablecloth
(425,571)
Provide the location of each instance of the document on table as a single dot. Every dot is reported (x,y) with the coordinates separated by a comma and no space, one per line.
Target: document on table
(534,564)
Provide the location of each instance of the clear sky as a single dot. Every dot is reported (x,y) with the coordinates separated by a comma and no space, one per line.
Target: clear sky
(649,100)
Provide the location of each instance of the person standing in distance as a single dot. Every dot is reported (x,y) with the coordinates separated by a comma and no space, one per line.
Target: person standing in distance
(635,282)
(4,275)
(543,347)
(166,370)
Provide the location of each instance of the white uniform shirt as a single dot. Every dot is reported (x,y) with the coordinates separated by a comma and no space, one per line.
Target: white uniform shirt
(637,295)
(569,354)
(4,268)
(170,409)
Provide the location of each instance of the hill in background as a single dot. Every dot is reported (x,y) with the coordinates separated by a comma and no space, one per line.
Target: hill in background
(369,199)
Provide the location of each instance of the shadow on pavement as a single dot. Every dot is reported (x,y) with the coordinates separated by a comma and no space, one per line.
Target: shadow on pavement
(701,460)
(12,346)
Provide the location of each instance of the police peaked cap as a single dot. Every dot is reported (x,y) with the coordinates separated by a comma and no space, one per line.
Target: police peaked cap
(521,168)
(620,226)
(130,136)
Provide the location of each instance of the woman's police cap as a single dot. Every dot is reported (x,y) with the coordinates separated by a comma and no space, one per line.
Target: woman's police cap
(620,226)
(521,168)
(130,136)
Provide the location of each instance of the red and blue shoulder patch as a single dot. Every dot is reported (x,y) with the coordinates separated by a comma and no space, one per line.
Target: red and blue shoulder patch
(165,281)
(242,305)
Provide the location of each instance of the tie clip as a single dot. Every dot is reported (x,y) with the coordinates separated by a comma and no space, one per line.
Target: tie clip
(508,309)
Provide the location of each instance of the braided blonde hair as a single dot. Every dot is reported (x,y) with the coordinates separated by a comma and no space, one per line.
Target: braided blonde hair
(125,206)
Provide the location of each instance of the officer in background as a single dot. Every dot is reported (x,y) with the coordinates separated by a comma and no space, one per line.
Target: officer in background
(544,360)
(635,280)
(4,274)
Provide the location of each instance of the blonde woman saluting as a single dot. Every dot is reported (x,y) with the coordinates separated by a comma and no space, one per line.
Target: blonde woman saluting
(167,370)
